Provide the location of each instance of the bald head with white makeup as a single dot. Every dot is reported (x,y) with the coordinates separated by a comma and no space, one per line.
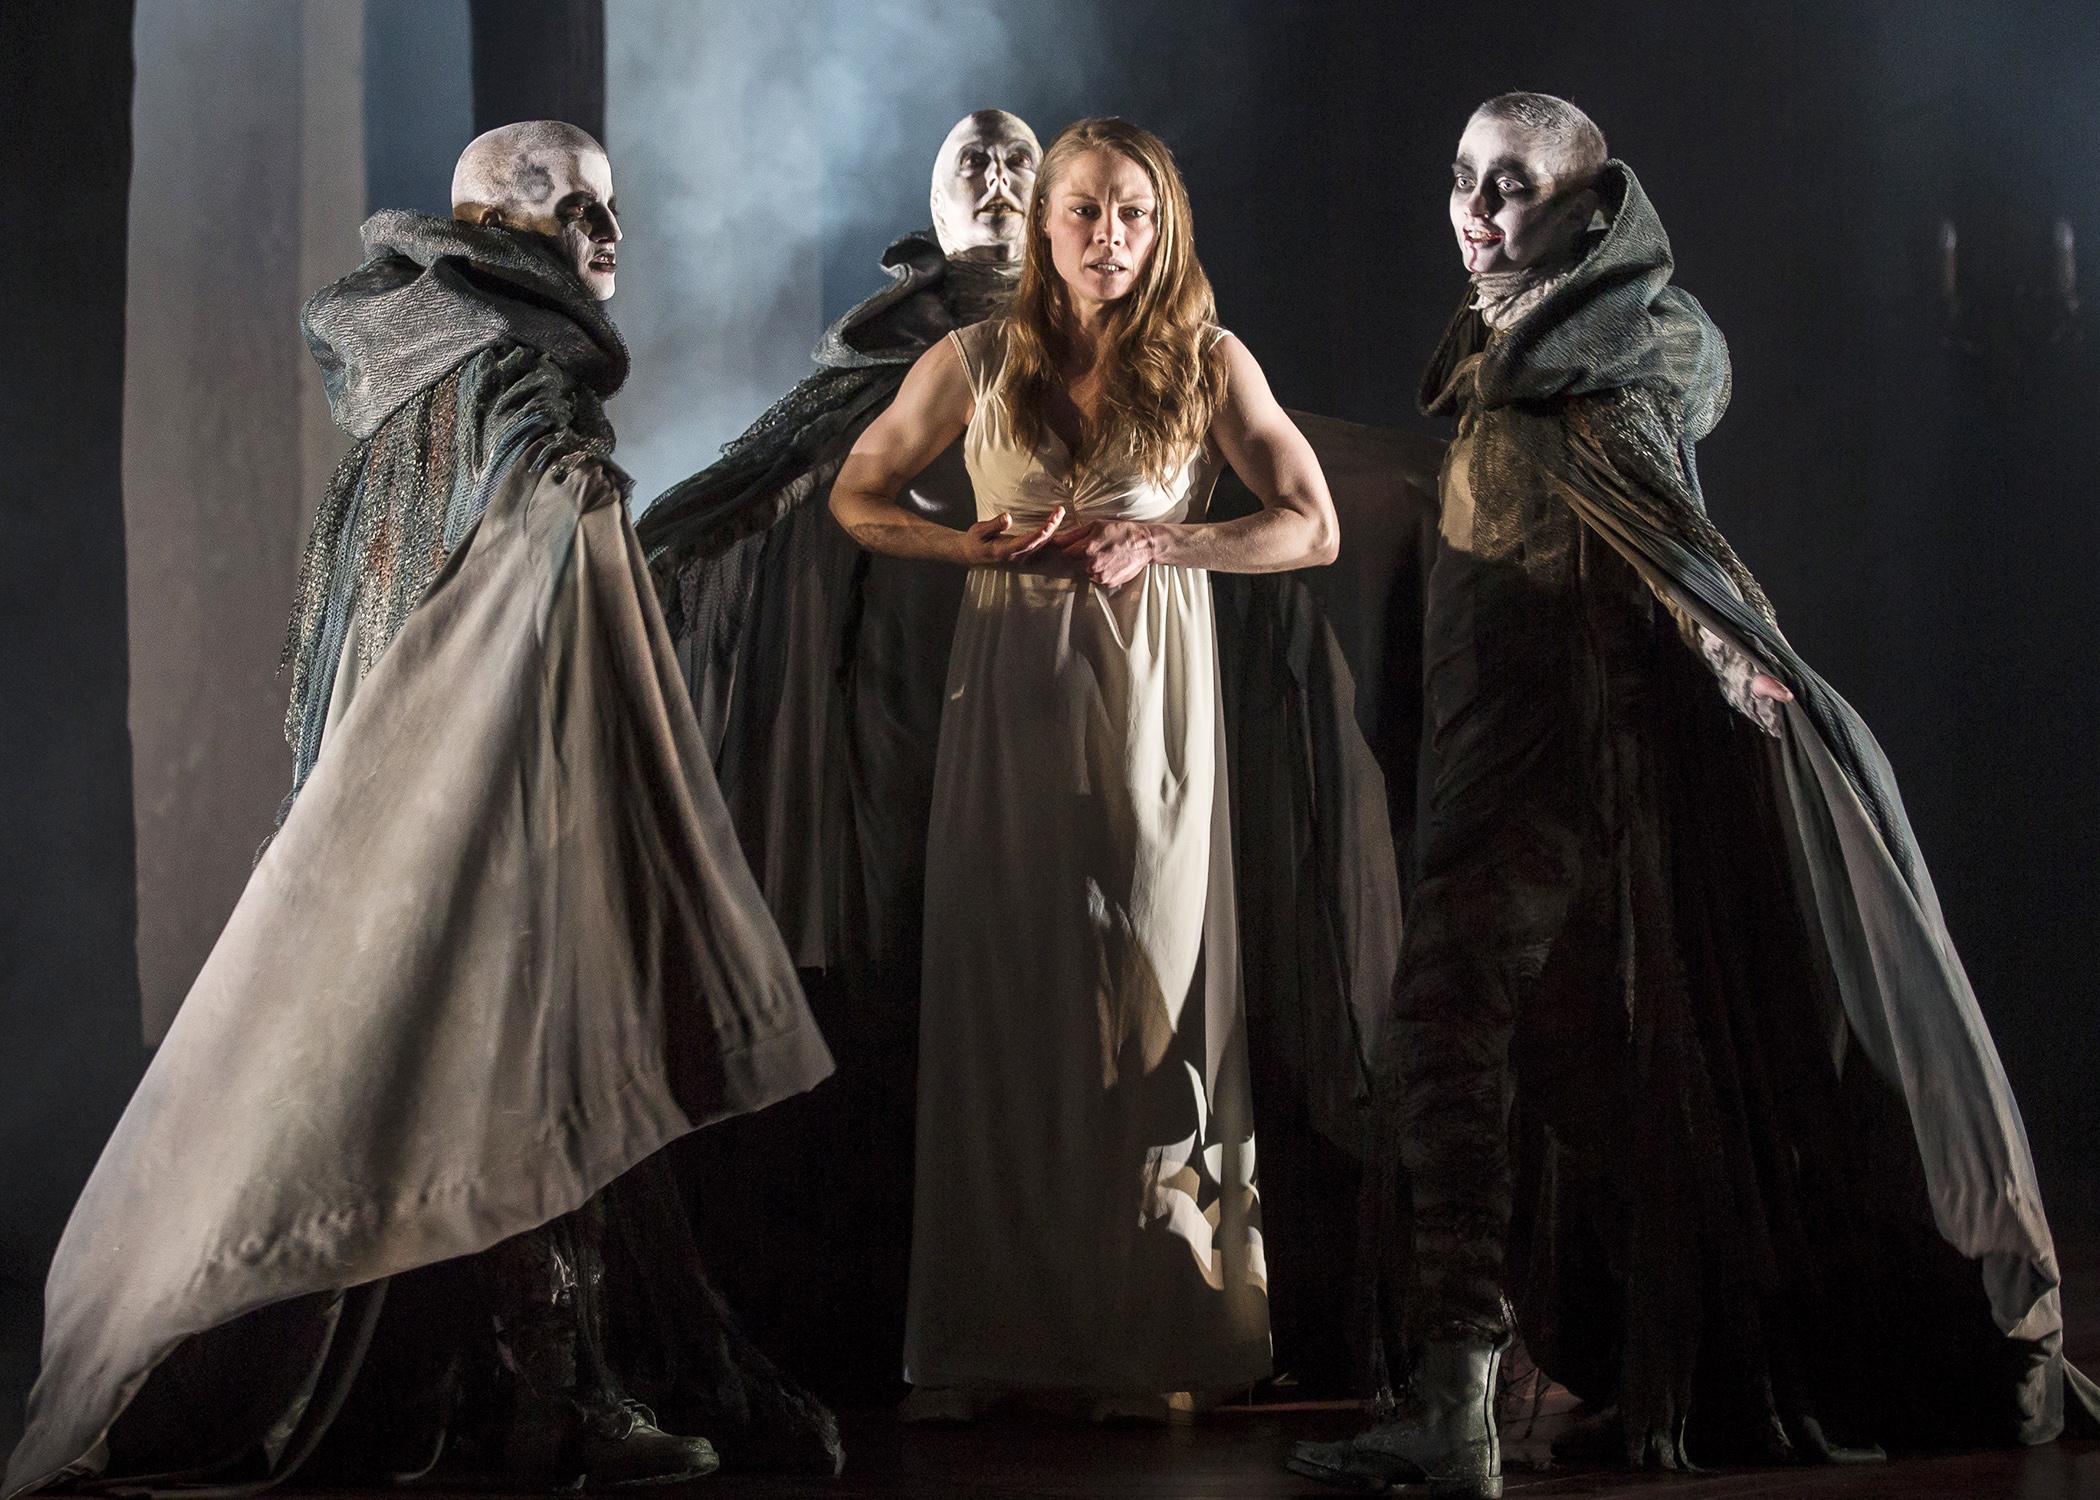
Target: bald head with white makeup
(983,181)
(549,178)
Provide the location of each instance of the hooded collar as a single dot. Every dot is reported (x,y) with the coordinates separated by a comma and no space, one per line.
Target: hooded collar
(928,297)
(1611,320)
(433,292)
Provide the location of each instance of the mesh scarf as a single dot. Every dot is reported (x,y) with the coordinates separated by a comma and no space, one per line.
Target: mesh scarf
(529,353)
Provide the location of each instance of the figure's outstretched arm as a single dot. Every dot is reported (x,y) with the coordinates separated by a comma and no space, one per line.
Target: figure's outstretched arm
(1624,443)
(931,410)
(1295,528)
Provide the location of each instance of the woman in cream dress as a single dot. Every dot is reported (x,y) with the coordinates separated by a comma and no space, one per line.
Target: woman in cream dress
(1086,1216)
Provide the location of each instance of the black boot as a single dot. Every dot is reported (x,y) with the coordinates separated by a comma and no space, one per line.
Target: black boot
(583,1434)
(567,1424)
(1443,1435)
(618,1443)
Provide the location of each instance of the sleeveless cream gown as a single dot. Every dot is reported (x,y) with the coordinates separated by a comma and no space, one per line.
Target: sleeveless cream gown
(1086,1215)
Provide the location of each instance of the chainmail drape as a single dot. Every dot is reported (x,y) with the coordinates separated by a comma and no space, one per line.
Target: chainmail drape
(442,354)
(400,502)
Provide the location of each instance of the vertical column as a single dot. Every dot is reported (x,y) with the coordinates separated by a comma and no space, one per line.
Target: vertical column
(540,60)
(332,202)
(225,443)
(418,99)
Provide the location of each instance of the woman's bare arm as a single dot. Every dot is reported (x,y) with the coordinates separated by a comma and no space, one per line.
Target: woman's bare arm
(931,410)
(1295,527)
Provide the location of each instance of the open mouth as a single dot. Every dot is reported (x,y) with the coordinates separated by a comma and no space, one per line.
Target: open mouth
(999,210)
(1482,236)
(1108,267)
(604,262)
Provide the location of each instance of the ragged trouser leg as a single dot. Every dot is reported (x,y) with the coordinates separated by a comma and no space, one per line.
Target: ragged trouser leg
(1509,948)
(546,1296)
(490,1358)
(569,1421)
(1478,935)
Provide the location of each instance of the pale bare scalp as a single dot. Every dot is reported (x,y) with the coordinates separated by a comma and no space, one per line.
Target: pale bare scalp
(515,169)
(1576,146)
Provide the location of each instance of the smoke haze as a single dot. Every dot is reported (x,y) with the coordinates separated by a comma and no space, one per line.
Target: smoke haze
(764,155)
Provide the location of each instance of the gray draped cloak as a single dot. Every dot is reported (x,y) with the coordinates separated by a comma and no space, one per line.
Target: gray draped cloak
(502,949)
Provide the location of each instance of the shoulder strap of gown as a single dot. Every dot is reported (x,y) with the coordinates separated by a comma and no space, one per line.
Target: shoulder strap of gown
(978,345)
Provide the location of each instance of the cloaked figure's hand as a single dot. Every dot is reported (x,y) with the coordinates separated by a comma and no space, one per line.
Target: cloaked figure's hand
(1112,552)
(996,540)
(1766,694)
(1758,696)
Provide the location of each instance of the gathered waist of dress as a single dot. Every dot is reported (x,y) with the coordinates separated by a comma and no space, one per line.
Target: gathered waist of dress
(1060,578)
(1051,576)
(1029,510)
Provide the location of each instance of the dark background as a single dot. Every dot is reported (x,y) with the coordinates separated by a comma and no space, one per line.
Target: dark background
(1919,500)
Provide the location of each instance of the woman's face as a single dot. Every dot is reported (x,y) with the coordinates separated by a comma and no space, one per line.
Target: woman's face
(1102,218)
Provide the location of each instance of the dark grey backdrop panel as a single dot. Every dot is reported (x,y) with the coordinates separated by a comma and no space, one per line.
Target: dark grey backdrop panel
(69,1050)
(539,60)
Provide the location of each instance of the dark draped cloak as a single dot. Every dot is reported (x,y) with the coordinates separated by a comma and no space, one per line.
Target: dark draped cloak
(817,672)
(1823,1221)
(501,951)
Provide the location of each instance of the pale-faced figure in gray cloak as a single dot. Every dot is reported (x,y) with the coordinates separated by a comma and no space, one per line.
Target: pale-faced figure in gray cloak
(390,1188)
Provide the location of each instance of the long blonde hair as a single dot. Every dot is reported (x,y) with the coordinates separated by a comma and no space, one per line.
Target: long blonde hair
(1164,379)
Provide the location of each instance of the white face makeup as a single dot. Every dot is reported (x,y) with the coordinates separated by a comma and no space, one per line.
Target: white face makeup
(1510,209)
(983,181)
(550,179)
(1103,220)
(574,204)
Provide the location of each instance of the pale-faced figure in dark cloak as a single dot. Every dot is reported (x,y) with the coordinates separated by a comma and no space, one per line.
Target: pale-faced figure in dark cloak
(1522,196)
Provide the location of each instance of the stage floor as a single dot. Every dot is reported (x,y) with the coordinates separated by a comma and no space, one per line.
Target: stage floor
(1236,1454)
